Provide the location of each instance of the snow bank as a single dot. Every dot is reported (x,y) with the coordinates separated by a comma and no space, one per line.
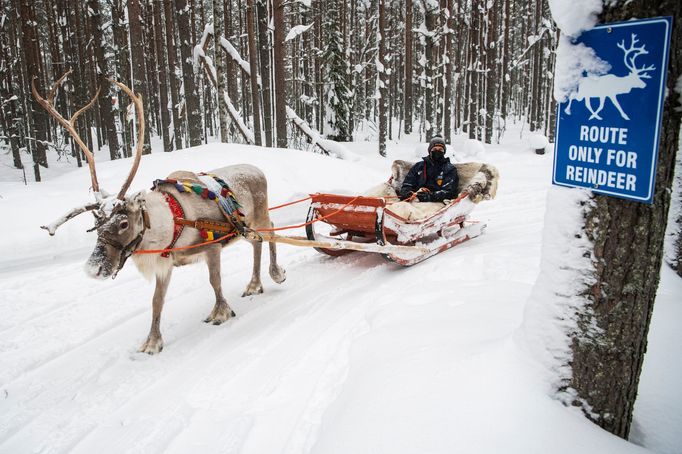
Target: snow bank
(565,270)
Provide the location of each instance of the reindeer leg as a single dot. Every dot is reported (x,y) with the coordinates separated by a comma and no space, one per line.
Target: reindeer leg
(595,113)
(615,102)
(255,286)
(154,342)
(221,311)
(277,273)
(588,104)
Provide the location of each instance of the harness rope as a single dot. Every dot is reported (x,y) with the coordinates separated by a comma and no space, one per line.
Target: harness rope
(231,234)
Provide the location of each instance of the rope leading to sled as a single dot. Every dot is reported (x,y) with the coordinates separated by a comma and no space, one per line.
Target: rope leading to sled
(183,248)
(289,203)
(231,234)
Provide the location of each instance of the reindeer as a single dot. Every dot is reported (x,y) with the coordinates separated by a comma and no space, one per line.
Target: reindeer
(144,221)
(610,85)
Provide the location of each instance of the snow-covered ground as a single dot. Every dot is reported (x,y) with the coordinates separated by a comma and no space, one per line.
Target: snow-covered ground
(349,355)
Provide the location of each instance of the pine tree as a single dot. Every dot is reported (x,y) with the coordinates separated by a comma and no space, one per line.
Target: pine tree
(337,93)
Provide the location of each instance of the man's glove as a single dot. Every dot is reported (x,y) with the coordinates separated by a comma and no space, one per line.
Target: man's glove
(424,196)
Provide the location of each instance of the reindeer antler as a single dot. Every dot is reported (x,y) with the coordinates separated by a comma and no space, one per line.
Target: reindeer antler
(632,53)
(139,110)
(70,124)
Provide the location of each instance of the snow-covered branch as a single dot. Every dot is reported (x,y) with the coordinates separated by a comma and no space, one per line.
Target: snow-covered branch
(297,30)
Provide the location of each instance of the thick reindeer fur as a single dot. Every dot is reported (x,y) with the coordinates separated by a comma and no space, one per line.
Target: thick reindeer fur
(250,189)
(478,179)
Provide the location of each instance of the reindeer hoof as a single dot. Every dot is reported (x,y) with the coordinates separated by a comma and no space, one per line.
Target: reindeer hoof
(151,346)
(220,314)
(252,290)
(278,274)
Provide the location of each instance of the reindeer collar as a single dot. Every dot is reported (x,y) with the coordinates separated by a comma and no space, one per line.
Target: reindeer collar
(178,213)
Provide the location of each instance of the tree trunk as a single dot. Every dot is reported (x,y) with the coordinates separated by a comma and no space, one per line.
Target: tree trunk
(449,63)
(504,75)
(264,46)
(409,7)
(430,94)
(139,81)
(119,28)
(162,76)
(381,78)
(105,98)
(38,131)
(628,247)
(491,76)
(220,67)
(192,111)
(8,103)
(253,65)
(172,75)
(280,95)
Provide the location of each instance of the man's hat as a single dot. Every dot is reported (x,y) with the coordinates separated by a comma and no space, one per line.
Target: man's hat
(436,140)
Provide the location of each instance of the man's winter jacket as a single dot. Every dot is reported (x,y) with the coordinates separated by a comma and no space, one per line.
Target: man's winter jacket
(440,178)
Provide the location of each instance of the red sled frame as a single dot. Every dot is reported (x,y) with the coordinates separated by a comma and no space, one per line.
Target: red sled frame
(370,219)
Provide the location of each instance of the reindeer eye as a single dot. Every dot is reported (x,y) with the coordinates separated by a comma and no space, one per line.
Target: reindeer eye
(123,225)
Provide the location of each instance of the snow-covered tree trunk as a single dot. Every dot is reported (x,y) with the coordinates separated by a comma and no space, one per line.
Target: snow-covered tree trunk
(162,76)
(139,82)
(674,246)
(37,117)
(280,84)
(409,7)
(264,46)
(220,67)
(192,114)
(9,101)
(172,72)
(382,82)
(122,58)
(431,13)
(491,71)
(253,64)
(590,309)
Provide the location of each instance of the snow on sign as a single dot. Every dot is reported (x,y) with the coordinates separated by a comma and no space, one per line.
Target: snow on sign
(607,130)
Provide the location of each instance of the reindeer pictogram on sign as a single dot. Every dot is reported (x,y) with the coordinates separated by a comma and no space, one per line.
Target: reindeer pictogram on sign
(611,85)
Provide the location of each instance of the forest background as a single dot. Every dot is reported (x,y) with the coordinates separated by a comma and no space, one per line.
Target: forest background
(385,67)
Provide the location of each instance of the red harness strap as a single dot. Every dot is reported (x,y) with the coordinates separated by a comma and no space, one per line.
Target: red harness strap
(177,212)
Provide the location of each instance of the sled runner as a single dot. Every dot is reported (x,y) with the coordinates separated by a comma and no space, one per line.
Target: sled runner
(365,220)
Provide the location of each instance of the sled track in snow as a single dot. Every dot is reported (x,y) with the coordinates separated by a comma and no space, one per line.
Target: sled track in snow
(245,349)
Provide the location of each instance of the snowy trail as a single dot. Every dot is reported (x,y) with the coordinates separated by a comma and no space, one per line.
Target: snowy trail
(351,354)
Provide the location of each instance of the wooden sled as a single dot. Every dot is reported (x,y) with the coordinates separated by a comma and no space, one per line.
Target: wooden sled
(343,220)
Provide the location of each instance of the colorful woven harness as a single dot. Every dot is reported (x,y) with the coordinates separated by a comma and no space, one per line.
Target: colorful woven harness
(225,200)
(176,210)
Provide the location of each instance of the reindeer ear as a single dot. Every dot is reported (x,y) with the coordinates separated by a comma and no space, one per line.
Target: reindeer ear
(139,200)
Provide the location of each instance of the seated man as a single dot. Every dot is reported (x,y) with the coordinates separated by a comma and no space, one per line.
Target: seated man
(433,180)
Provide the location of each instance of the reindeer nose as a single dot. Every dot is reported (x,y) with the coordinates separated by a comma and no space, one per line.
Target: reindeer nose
(95,270)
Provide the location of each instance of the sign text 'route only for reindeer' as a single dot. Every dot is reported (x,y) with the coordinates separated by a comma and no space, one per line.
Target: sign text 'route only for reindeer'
(608,129)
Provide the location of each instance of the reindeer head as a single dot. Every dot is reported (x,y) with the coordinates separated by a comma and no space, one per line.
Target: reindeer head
(120,221)
(636,74)
(120,227)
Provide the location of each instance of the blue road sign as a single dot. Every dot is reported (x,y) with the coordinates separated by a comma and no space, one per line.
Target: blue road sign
(607,131)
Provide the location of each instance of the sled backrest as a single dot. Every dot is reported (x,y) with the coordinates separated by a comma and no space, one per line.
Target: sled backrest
(477,178)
